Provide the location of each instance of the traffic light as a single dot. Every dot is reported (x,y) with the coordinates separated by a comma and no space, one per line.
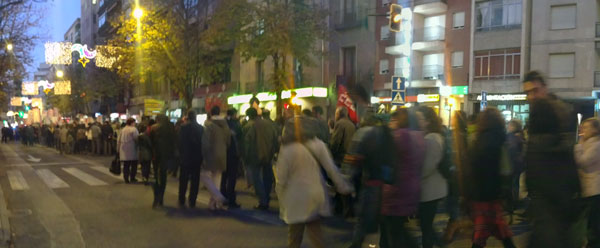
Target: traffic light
(27,108)
(21,114)
(395,17)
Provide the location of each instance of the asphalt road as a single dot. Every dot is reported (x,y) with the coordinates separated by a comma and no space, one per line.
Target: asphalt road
(65,201)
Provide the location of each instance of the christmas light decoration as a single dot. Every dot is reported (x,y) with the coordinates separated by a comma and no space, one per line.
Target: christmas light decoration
(29,89)
(46,85)
(62,88)
(16,101)
(58,53)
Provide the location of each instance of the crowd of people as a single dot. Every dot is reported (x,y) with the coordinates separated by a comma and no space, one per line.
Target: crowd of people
(384,171)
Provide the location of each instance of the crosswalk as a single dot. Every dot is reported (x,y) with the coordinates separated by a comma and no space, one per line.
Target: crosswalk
(18,182)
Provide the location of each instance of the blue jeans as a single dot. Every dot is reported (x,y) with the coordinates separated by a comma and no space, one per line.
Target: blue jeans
(262,178)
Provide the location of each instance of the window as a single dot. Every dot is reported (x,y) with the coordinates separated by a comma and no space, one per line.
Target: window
(349,64)
(562,65)
(563,17)
(497,14)
(100,3)
(458,20)
(457,59)
(384,66)
(385,3)
(433,66)
(260,74)
(101,20)
(349,9)
(385,32)
(498,64)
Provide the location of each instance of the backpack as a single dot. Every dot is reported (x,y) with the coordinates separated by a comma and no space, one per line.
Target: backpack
(446,165)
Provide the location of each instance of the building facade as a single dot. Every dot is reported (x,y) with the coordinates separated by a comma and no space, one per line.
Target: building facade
(499,55)
(564,48)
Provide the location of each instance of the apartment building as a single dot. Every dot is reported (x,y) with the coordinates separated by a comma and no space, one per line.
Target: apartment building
(499,54)
(565,46)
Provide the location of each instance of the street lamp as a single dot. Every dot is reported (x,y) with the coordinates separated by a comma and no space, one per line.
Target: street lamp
(138,13)
(60,74)
(9,47)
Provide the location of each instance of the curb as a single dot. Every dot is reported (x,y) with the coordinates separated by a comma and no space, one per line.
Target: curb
(5,231)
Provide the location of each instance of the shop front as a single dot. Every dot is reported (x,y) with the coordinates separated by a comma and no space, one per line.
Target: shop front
(512,106)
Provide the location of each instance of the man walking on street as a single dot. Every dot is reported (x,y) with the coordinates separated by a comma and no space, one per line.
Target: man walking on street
(552,178)
(229,178)
(162,135)
(343,131)
(215,141)
(190,143)
(260,144)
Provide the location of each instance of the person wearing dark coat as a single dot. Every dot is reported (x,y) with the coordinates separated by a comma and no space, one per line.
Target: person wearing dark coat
(552,179)
(229,178)
(484,180)
(260,143)
(107,138)
(190,143)
(162,136)
(145,152)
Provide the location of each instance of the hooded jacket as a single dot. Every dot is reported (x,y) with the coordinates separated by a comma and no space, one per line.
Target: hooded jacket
(215,141)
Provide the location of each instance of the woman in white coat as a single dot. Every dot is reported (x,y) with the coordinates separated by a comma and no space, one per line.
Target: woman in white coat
(587,156)
(301,189)
(433,185)
(126,142)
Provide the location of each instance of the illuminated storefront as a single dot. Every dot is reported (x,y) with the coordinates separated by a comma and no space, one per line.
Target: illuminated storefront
(512,106)
(306,97)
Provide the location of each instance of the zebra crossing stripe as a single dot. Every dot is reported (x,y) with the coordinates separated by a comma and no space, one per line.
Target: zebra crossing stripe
(86,178)
(105,171)
(16,180)
(53,181)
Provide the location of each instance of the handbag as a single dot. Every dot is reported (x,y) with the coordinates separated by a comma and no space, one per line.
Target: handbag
(115,166)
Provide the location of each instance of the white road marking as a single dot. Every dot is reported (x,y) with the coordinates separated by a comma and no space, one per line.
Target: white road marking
(105,171)
(45,164)
(17,181)
(86,178)
(51,179)
(33,159)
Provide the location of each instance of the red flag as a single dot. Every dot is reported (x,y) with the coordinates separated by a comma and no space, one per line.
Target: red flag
(345,100)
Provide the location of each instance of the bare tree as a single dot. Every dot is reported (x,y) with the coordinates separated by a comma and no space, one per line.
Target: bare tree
(17,18)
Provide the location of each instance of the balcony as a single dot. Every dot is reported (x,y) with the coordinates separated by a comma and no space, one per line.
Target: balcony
(433,72)
(430,7)
(433,33)
(344,21)
(597,79)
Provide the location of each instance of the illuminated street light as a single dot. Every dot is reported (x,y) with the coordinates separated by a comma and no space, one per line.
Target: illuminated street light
(9,47)
(60,74)
(138,13)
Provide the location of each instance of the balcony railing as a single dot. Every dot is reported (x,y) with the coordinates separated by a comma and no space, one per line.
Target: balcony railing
(433,72)
(597,29)
(343,20)
(419,2)
(432,33)
(597,79)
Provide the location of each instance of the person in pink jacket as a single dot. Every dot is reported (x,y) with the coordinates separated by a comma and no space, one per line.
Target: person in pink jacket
(401,199)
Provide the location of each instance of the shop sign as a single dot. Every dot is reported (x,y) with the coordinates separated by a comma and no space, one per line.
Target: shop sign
(460,90)
(428,97)
(153,106)
(504,97)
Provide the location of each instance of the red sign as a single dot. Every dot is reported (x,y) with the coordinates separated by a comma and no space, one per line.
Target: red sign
(345,100)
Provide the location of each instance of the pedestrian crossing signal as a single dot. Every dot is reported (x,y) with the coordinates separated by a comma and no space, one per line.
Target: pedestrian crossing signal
(395,17)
